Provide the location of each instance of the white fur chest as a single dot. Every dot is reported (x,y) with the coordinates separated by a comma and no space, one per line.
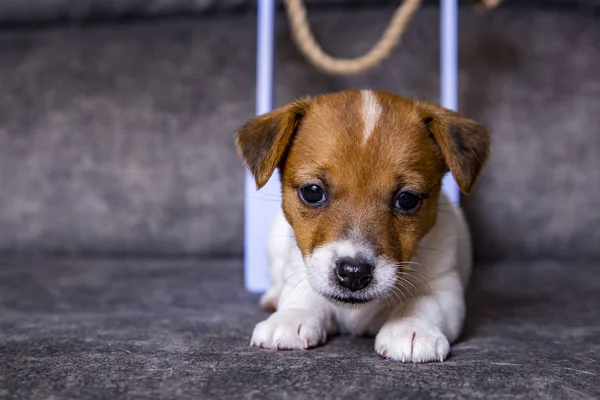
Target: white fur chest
(364,320)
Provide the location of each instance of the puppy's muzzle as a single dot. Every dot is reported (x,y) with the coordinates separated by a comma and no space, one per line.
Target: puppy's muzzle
(353,274)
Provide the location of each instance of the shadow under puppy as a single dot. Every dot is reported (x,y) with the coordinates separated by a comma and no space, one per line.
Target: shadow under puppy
(366,242)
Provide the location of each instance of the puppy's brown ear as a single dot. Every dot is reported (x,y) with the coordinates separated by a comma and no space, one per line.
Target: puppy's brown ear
(464,144)
(263,141)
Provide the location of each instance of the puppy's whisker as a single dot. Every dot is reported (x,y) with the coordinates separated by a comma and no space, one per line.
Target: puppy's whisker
(408,271)
(406,288)
(412,267)
(403,268)
(305,288)
(411,263)
(407,268)
(397,292)
(403,274)
(396,296)
(387,299)
(390,300)
(297,283)
(426,283)
(402,279)
(293,274)
(404,299)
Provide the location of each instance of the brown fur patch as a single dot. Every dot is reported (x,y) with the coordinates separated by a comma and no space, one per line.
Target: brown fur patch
(263,141)
(464,143)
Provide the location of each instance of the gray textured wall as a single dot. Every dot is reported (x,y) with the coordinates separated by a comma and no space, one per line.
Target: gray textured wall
(117,140)
(34,11)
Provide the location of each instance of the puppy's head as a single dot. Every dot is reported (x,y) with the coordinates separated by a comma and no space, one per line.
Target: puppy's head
(361,172)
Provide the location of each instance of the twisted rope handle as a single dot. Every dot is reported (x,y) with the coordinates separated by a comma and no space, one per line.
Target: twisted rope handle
(307,44)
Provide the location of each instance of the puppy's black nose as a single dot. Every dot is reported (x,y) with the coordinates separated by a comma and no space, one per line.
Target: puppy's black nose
(353,274)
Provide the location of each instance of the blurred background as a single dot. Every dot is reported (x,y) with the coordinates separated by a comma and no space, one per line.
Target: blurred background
(117,121)
(118,117)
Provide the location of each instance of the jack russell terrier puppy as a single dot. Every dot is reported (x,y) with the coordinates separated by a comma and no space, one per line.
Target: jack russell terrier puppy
(366,242)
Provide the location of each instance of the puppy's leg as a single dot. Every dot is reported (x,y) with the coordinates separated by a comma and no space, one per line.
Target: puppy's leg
(280,246)
(423,330)
(303,319)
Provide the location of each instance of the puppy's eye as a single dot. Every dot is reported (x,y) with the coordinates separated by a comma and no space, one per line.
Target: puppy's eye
(407,202)
(312,194)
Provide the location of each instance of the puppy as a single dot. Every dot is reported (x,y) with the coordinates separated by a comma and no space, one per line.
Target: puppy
(366,242)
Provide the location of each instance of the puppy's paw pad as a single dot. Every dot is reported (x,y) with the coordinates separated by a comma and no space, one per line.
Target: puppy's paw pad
(289,329)
(412,340)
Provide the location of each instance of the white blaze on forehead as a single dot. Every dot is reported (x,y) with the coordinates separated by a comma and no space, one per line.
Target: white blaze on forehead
(370,112)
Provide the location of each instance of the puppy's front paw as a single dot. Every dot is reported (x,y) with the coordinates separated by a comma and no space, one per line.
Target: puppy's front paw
(289,329)
(412,340)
